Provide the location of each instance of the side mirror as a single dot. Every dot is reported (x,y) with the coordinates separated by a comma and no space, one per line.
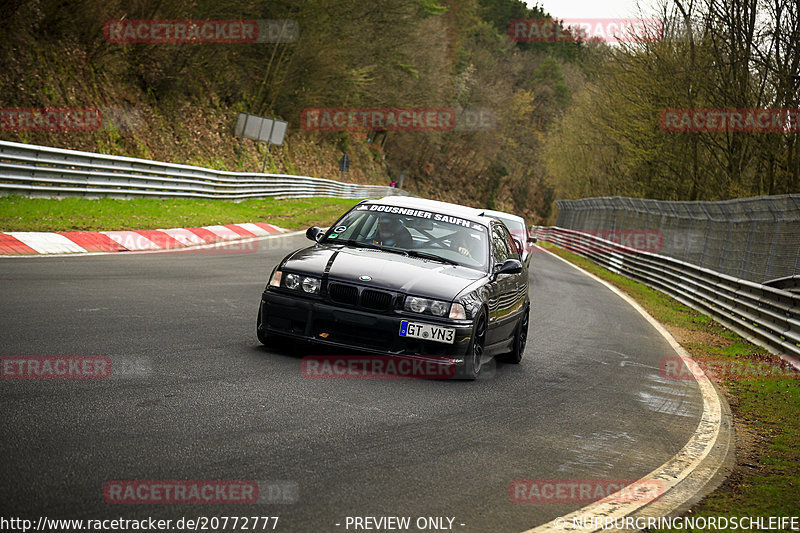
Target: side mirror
(532,240)
(314,233)
(511,266)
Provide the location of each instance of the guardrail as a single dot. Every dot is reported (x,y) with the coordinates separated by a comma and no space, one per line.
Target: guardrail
(752,238)
(765,315)
(32,170)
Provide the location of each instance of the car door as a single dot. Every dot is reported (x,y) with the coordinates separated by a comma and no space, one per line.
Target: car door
(503,297)
(520,280)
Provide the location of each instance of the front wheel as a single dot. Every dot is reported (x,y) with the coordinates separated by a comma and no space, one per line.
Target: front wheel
(263,338)
(520,340)
(472,360)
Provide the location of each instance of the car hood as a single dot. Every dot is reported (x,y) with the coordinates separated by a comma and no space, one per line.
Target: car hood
(387,270)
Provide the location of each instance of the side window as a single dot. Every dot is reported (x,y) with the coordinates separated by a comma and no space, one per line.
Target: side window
(511,243)
(500,248)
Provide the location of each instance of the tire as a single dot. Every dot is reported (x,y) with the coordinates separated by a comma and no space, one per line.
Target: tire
(472,361)
(271,340)
(520,340)
(263,338)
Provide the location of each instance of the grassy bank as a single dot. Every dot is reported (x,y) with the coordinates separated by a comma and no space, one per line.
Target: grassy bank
(74,214)
(766,409)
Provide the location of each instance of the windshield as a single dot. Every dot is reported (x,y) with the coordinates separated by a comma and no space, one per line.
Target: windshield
(424,234)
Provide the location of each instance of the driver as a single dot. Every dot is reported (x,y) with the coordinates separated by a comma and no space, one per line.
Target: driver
(391,232)
(468,246)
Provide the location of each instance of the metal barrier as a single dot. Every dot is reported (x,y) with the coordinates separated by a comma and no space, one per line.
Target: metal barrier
(765,315)
(752,238)
(32,170)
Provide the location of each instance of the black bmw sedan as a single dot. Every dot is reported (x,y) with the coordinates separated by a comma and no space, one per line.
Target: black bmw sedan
(408,277)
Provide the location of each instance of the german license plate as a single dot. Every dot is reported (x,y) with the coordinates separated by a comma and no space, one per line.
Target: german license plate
(427,332)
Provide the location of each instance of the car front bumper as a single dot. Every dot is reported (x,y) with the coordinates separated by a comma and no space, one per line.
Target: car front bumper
(321,322)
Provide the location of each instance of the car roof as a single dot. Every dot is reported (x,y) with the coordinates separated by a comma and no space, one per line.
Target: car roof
(492,213)
(446,208)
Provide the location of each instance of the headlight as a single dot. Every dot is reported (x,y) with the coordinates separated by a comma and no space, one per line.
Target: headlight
(292,281)
(295,282)
(311,285)
(416,304)
(439,308)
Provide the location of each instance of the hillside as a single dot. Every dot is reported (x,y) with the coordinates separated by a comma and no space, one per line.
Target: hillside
(534,121)
(179,101)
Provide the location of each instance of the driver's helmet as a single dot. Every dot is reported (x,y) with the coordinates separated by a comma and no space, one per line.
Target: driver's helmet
(392,230)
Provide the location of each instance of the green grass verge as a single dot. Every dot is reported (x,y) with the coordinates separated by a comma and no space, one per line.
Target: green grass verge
(766,409)
(74,214)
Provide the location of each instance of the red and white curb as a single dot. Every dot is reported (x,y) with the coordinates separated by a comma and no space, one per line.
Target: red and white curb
(78,242)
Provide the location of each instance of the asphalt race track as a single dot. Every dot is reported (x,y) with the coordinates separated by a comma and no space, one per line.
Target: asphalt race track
(193,396)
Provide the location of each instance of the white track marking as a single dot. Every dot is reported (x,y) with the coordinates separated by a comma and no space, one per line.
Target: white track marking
(131,240)
(47,243)
(681,465)
(255,230)
(226,233)
(184,236)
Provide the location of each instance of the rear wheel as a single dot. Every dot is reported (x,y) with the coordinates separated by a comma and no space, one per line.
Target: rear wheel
(472,361)
(520,340)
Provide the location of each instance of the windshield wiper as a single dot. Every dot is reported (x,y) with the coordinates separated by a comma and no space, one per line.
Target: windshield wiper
(432,257)
(412,253)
